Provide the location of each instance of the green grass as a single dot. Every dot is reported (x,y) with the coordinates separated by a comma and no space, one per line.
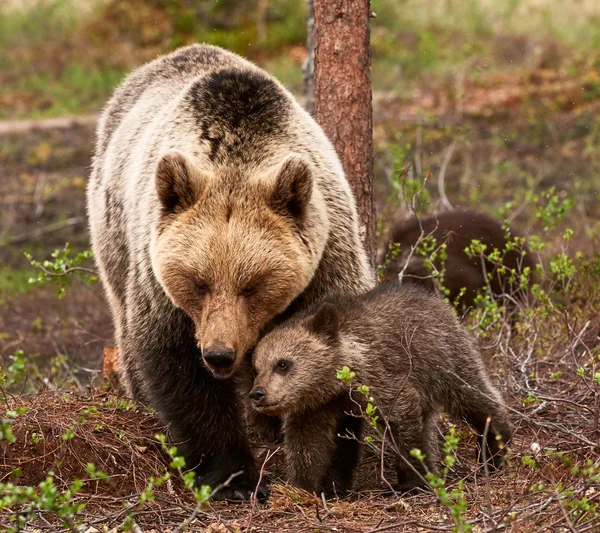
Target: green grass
(42,22)
(14,282)
(79,88)
(422,39)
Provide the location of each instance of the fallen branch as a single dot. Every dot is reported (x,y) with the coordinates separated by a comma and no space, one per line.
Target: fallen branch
(73,221)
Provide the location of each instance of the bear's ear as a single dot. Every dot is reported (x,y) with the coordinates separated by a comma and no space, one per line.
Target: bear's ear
(326,322)
(178,183)
(293,187)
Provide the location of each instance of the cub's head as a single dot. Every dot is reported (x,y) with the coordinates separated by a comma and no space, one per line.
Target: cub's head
(233,248)
(296,364)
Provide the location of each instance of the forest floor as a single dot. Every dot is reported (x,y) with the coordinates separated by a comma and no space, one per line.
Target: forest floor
(521,142)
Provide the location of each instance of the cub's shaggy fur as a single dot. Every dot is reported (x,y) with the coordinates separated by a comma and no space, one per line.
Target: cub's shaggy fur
(457,229)
(216,204)
(409,348)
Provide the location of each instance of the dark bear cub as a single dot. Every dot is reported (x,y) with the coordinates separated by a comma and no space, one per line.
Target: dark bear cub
(404,343)
(457,229)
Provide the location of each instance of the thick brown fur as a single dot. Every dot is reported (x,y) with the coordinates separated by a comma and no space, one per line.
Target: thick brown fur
(404,343)
(216,205)
(457,229)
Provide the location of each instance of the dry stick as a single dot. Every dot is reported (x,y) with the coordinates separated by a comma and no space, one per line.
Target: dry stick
(14,127)
(413,248)
(401,455)
(518,211)
(418,148)
(67,367)
(260,476)
(537,511)
(411,523)
(487,474)
(596,412)
(382,459)
(442,176)
(324,506)
(66,352)
(574,343)
(198,508)
(563,400)
(38,193)
(564,513)
(73,221)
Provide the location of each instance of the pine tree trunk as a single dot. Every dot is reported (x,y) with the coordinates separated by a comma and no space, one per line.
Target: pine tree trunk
(343,97)
(308,68)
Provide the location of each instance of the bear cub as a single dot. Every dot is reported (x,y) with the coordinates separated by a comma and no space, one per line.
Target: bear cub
(408,346)
(457,229)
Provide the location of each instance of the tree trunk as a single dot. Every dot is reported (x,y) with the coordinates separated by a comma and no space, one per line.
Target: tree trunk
(308,68)
(343,97)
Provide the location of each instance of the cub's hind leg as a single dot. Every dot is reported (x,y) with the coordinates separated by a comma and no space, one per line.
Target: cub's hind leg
(475,400)
(411,427)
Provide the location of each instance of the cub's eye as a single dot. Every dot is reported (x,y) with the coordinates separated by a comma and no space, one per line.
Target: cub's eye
(283,366)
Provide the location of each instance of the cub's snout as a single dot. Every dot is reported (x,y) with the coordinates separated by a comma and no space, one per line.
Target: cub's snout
(258,395)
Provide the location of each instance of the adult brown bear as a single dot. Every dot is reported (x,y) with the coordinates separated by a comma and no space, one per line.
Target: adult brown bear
(216,205)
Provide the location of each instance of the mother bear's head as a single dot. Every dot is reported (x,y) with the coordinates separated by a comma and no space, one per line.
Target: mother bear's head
(235,246)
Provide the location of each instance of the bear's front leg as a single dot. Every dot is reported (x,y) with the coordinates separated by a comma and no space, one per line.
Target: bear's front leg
(203,413)
(310,441)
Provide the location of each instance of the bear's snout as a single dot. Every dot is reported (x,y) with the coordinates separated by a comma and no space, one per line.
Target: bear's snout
(219,357)
(258,395)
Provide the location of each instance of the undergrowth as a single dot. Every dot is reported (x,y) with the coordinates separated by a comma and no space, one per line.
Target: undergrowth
(545,356)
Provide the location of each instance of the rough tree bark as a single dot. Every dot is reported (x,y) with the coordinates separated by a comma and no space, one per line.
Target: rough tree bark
(343,97)
(308,68)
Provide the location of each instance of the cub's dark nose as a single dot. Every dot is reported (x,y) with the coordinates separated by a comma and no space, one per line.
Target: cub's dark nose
(219,357)
(258,395)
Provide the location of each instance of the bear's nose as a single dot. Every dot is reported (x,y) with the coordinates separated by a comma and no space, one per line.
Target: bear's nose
(258,395)
(219,357)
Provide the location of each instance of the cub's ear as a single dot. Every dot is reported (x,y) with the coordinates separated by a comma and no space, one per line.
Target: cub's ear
(326,322)
(178,183)
(293,187)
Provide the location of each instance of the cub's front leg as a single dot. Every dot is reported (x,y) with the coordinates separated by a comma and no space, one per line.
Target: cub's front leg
(310,442)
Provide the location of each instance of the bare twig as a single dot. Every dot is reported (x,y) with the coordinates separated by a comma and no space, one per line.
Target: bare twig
(38,194)
(268,457)
(442,176)
(198,508)
(50,228)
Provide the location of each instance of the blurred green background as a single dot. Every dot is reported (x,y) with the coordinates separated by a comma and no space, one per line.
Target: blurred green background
(64,56)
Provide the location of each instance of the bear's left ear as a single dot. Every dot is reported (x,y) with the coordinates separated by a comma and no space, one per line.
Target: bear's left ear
(326,322)
(293,187)
(178,183)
